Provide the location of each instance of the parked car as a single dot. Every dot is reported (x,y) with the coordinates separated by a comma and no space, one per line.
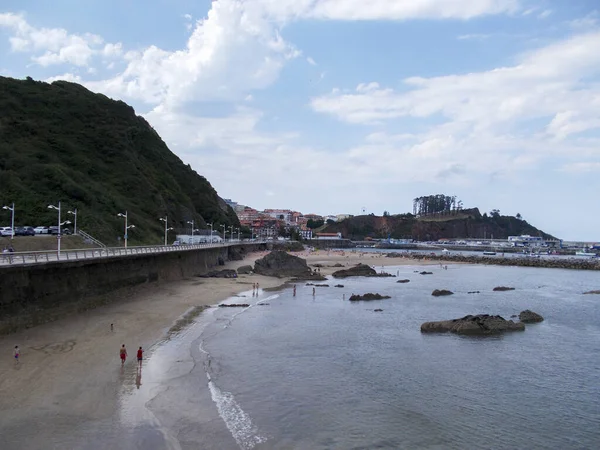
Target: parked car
(54,230)
(24,231)
(41,230)
(6,231)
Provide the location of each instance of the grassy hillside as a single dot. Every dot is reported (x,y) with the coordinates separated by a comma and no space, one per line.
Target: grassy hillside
(61,142)
(465,224)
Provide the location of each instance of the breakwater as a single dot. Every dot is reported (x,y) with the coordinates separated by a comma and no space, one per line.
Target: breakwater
(550,263)
(34,294)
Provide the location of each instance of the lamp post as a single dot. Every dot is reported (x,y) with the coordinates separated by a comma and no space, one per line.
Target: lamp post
(211,231)
(192,222)
(57,237)
(166,221)
(12,221)
(239,237)
(74,213)
(231,233)
(224,237)
(126,227)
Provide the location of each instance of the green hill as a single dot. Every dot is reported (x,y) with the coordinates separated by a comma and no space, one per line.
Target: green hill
(468,223)
(61,142)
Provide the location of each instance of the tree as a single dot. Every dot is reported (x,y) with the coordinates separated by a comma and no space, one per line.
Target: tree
(386,214)
(330,221)
(313,224)
(495,213)
(519,216)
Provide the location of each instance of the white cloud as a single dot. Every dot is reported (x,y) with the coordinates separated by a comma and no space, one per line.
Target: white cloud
(311,61)
(286,10)
(587,22)
(582,167)
(478,37)
(52,46)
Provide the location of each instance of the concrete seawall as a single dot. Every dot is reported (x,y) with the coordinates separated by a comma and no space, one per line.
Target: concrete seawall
(35,294)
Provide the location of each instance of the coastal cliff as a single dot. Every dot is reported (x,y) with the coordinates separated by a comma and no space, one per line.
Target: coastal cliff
(61,142)
(468,223)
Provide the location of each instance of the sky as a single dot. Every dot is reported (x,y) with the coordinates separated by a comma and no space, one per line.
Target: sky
(335,106)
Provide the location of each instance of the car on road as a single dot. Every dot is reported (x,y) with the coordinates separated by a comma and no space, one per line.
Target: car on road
(54,230)
(41,230)
(24,231)
(6,231)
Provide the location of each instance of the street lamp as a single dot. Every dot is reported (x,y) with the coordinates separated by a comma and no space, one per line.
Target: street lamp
(166,221)
(74,212)
(231,231)
(211,231)
(12,219)
(192,222)
(57,237)
(224,237)
(239,237)
(125,216)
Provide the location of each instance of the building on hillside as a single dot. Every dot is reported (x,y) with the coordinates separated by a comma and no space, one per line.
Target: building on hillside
(332,218)
(314,217)
(329,236)
(525,240)
(341,217)
(280,214)
(306,233)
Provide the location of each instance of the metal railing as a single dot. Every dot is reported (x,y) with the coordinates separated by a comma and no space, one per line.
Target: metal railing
(42,257)
(91,238)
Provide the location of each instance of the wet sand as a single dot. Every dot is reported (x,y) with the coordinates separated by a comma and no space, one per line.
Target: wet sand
(64,393)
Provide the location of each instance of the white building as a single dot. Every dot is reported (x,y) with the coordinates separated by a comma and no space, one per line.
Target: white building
(329,236)
(526,239)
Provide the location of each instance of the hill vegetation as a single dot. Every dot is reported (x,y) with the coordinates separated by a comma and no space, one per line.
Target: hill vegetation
(61,142)
(451,224)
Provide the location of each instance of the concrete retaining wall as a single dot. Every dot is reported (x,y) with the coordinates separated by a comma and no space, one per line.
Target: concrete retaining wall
(35,294)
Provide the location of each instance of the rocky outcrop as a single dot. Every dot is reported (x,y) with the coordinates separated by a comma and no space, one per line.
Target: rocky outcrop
(479,325)
(503,288)
(368,297)
(592,292)
(245,270)
(225,273)
(425,273)
(403,281)
(528,316)
(282,264)
(288,246)
(378,310)
(441,292)
(339,286)
(360,270)
(234,305)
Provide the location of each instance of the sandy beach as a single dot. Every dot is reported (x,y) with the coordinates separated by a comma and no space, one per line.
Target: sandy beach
(69,370)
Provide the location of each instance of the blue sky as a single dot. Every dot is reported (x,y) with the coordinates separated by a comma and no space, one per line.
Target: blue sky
(329,106)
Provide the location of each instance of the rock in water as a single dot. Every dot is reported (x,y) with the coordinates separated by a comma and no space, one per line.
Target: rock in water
(360,270)
(403,281)
(592,292)
(440,292)
(528,316)
(479,325)
(503,288)
(245,270)
(282,264)
(366,297)
(425,273)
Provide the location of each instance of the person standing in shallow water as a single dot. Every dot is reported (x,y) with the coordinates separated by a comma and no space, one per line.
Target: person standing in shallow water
(123,354)
(140,356)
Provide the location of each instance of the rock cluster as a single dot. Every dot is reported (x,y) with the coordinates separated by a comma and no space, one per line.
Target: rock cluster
(360,270)
(503,288)
(441,292)
(282,264)
(528,316)
(234,305)
(403,281)
(226,273)
(592,292)
(479,325)
(425,273)
(245,270)
(367,297)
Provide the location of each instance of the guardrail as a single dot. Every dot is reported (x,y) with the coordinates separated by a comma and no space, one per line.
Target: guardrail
(43,257)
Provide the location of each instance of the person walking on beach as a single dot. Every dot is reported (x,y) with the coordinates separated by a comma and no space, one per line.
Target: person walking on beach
(123,354)
(294,290)
(16,354)
(313,292)
(140,355)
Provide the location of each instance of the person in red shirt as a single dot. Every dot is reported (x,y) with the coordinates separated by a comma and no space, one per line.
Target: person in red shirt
(140,354)
(123,354)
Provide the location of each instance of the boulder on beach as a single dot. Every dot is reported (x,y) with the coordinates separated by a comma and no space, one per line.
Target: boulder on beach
(426,273)
(317,285)
(368,297)
(378,310)
(282,264)
(234,305)
(528,316)
(403,281)
(592,292)
(473,292)
(337,265)
(503,288)
(441,292)
(339,285)
(360,270)
(245,270)
(479,325)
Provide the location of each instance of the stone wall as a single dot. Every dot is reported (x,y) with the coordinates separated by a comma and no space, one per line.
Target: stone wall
(329,243)
(35,294)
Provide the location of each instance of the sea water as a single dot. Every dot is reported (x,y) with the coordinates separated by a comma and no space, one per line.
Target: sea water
(321,372)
